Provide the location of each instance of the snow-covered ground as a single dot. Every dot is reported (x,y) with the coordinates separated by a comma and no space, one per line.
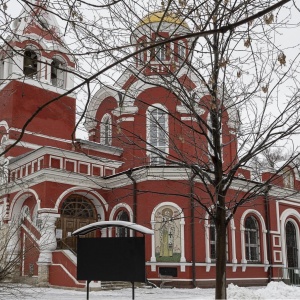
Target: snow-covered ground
(274,290)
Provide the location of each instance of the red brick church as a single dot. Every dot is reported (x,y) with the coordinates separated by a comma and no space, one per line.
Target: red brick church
(51,185)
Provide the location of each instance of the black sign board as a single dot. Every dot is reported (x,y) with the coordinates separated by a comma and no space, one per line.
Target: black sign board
(111,259)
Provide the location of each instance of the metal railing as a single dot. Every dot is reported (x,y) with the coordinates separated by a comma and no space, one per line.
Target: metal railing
(290,276)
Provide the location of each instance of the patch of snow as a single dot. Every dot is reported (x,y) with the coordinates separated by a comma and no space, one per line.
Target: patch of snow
(274,291)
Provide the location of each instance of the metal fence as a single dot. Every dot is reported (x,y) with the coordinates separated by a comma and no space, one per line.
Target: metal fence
(290,276)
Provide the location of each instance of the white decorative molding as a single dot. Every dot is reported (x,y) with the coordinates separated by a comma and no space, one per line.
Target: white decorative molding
(277,254)
(125,119)
(264,238)
(284,218)
(276,241)
(47,242)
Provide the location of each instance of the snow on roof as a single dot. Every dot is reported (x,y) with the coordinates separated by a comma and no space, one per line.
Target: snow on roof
(104,224)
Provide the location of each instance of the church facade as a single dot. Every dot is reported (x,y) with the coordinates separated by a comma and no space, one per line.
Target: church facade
(52,185)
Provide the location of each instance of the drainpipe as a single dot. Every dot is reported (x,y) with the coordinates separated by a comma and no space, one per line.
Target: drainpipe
(268,225)
(193,229)
(134,195)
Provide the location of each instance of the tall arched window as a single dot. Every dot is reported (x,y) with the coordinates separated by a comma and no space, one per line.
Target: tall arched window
(121,231)
(157,135)
(57,73)
(291,245)
(213,240)
(161,52)
(181,50)
(30,68)
(106,130)
(252,247)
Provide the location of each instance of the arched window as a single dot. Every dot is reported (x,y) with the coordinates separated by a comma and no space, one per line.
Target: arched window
(30,64)
(181,50)
(57,73)
(213,240)
(106,130)
(121,231)
(252,248)
(288,178)
(157,135)
(291,245)
(161,52)
(77,206)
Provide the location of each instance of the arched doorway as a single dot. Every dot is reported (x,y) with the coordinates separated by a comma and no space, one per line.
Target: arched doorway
(76,211)
(291,245)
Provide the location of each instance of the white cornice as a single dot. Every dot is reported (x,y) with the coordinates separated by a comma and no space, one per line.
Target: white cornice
(84,144)
(82,157)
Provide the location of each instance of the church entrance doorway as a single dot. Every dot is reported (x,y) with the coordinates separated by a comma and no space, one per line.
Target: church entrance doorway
(76,212)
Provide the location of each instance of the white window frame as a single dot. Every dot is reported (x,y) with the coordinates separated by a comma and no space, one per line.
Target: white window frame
(164,149)
(161,52)
(106,130)
(181,50)
(248,244)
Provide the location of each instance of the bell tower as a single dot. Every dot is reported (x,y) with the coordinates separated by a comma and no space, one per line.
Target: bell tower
(35,76)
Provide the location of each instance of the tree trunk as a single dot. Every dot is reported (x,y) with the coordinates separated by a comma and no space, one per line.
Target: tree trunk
(221,258)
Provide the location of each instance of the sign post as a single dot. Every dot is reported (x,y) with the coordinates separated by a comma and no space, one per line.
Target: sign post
(111,259)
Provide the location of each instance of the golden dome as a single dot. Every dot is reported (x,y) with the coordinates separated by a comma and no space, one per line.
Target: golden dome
(157,17)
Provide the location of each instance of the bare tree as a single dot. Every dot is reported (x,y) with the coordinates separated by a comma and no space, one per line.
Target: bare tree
(234,98)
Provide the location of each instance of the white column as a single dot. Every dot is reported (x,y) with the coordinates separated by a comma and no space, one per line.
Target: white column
(233,245)
(265,247)
(244,261)
(47,245)
(207,243)
(182,258)
(47,242)
(153,257)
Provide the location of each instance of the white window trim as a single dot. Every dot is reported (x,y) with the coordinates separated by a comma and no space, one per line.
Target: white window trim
(284,217)
(297,241)
(263,238)
(207,244)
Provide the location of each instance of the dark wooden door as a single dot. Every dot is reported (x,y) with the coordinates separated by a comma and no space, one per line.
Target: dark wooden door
(76,212)
(69,225)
